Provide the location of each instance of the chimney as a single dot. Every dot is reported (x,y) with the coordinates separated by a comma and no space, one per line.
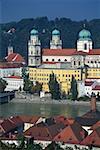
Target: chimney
(93,102)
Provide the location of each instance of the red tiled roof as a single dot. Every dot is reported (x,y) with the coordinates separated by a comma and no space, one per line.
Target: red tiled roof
(4,65)
(94,52)
(79,53)
(15,57)
(16,119)
(97,87)
(14,77)
(88,83)
(64,120)
(58,52)
(68,52)
(71,134)
(93,138)
(96,125)
(7,125)
(44,132)
(29,119)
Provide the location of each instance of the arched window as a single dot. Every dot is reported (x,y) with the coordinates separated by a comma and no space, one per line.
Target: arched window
(59,60)
(85,46)
(65,60)
(46,59)
(31,61)
(52,59)
(79,63)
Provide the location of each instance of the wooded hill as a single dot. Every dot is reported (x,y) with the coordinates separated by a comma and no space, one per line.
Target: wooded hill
(69,33)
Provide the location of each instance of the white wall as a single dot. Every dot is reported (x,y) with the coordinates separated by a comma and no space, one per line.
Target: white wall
(5,72)
(14,84)
(56,58)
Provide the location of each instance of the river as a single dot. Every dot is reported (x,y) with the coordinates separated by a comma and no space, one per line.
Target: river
(68,110)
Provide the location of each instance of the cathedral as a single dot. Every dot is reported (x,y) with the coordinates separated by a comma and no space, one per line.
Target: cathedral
(83,56)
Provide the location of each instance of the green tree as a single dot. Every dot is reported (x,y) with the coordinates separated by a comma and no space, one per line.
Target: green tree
(3,85)
(98,96)
(74,91)
(64,95)
(28,84)
(54,87)
(36,88)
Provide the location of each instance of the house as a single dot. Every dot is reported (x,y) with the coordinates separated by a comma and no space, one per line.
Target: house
(14,83)
(30,121)
(72,134)
(93,139)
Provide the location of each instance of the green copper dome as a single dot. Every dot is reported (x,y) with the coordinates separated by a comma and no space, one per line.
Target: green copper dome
(84,34)
(34,32)
(55,32)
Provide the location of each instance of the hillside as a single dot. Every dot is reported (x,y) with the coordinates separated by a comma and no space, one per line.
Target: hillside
(69,32)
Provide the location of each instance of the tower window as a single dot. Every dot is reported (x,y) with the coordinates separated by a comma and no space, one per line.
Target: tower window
(31,61)
(79,63)
(52,59)
(74,63)
(85,46)
(65,60)
(46,59)
(31,52)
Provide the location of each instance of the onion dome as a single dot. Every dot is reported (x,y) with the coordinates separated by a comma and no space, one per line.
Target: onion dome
(34,32)
(84,34)
(55,32)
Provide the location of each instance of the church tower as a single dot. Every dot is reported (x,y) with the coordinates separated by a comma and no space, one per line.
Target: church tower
(55,42)
(34,49)
(10,50)
(84,42)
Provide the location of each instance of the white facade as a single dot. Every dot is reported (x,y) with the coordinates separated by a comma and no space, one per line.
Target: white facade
(84,45)
(55,42)
(56,58)
(92,61)
(14,83)
(34,49)
(5,72)
(10,50)
(81,87)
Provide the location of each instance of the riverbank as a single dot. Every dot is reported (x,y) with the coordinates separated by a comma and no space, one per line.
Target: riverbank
(47,100)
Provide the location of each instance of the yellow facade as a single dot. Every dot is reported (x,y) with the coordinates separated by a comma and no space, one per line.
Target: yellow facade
(93,73)
(64,77)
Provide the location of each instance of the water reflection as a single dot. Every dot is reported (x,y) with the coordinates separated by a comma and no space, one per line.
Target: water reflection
(42,109)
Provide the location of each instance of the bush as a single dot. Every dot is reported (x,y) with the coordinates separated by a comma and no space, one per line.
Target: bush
(83,98)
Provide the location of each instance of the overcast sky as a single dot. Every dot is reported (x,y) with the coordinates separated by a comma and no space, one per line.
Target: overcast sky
(14,10)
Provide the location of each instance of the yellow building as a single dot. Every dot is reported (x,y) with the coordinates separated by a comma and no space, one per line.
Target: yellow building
(93,73)
(64,76)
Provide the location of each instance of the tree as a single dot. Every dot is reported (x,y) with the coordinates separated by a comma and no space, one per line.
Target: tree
(54,87)
(64,96)
(3,85)
(98,96)
(36,88)
(27,83)
(74,91)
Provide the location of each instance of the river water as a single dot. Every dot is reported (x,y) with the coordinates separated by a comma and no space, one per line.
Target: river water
(68,110)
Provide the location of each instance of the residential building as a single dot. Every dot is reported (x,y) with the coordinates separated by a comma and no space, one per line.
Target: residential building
(14,83)
(64,77)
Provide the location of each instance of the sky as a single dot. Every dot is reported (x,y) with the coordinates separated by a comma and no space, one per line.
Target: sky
(15,10)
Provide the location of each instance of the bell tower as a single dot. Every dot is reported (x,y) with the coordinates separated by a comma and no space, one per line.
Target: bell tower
(84,42)
(56,42)
(34,49)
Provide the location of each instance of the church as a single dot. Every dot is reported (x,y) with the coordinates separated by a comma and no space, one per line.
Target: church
(83,55)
